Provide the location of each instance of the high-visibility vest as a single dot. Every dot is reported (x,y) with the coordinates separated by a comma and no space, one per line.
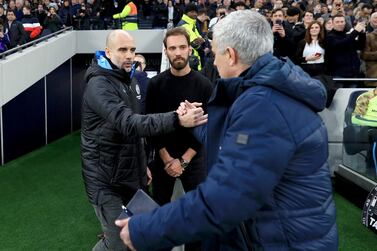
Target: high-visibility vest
(128,17)
(370,116)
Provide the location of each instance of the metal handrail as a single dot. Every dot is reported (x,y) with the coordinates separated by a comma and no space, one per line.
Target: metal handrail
(355,79)
(33,43)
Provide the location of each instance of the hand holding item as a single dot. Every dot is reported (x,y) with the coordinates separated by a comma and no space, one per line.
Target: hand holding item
(124,233)
(313,57)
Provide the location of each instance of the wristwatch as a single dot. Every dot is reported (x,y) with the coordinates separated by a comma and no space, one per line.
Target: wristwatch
(184,163)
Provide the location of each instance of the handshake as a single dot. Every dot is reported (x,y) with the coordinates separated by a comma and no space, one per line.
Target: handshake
(191,114)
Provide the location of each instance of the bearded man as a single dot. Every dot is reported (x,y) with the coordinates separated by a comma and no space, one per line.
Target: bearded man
(178,154)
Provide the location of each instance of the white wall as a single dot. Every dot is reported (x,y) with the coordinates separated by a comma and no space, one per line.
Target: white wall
(147,41)
(20,70)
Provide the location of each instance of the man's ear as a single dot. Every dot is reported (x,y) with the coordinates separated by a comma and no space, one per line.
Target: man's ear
(232,56)
(107,52)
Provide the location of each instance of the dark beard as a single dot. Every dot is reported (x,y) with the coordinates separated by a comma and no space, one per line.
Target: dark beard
(179,65)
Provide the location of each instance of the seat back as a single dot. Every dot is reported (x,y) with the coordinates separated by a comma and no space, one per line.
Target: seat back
(355,138)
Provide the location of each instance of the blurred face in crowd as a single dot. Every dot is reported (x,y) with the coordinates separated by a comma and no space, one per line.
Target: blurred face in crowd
(321,20)
(259,4)
(142,62)
(19,4)
(317,8)
(279,15)
(315,29)
(220,13)
(329,25)
(373,20)
(52,11)
(366,11)
(226,3)
(324,9)
(178,51)
(192,14)
(121,50)
(1,11)
(40,8)
(338,5)
(339,23)
(187,2)
(26,11)
(278,4)
(10,16)
(12,5)
(308,17)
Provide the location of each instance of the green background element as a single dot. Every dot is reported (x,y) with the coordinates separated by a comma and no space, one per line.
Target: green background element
(43,205)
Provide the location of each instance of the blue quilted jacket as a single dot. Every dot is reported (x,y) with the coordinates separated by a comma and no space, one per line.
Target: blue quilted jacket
(267,152)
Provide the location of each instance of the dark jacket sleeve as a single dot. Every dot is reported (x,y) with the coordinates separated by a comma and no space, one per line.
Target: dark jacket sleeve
(368,53)
(300,49)
(102,98)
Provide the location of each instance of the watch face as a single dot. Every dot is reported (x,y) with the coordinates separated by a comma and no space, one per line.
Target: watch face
(184,163)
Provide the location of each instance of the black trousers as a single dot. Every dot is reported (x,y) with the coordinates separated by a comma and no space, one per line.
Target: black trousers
(163,185)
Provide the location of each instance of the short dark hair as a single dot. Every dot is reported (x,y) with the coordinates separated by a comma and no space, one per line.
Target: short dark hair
(277,10)
(367,6)
(177,32)
(9,10)
(338,15)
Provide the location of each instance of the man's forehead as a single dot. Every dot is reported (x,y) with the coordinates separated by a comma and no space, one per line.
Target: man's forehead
(177,40)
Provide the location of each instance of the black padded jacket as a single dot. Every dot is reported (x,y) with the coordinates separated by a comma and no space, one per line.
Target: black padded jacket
(112,154)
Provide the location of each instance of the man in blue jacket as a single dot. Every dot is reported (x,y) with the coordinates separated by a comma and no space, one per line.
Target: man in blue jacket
(268,186)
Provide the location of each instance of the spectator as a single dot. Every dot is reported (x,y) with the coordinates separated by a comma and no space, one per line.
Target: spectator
(173,13)
(65,13)
(293,15)
(372,23)
(161,13)
(3,17)
(128,16)
(188,22)
(337,9)
(328,24)
(113,160)
(282,36)
(221,12)
(31,25)
(310,51)
(41,14)
(83,20)
(4,39)
(299,30)
(341,49)
(18,10)
(14,29)
(52,23)
(267,174)
(278,4)
(142,79)
(369,54)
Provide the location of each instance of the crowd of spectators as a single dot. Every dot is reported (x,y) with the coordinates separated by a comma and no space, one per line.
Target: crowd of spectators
(325,37)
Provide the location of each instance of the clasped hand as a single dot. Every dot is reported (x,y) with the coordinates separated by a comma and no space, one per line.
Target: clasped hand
(174,168)
(191,114)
